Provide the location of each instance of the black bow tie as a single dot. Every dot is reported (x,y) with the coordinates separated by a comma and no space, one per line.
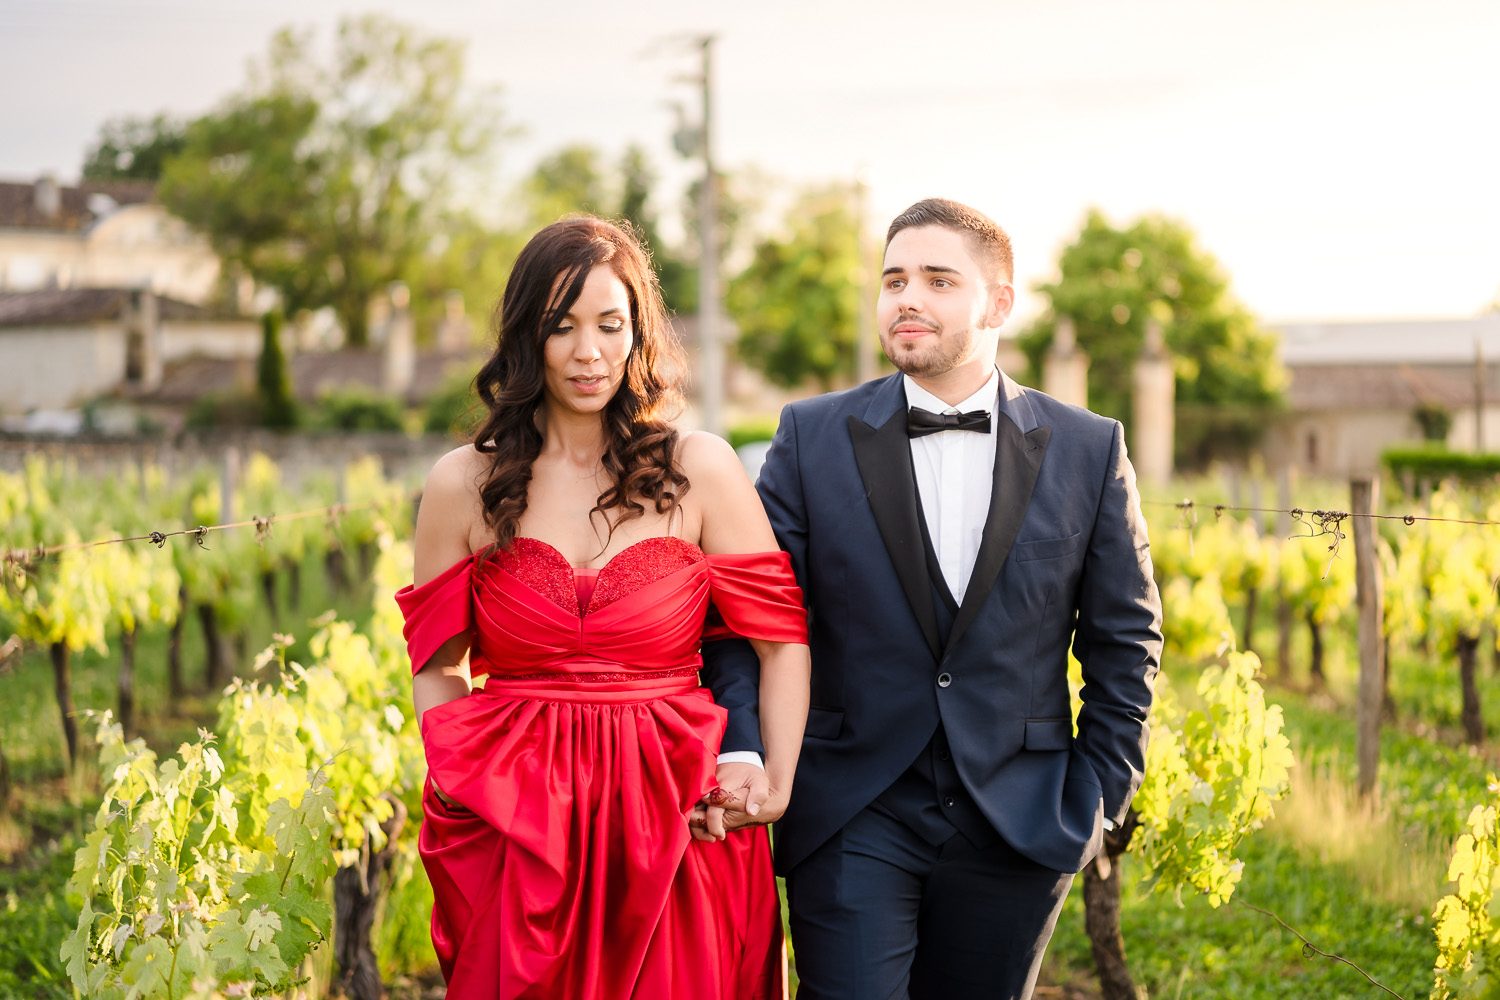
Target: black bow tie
(920,422)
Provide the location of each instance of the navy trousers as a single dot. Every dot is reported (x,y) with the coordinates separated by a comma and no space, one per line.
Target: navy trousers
(881,912)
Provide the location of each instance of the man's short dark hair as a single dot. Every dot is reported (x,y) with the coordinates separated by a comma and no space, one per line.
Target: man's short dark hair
(988,241)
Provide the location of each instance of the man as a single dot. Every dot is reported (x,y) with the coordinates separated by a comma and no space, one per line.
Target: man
(954,533)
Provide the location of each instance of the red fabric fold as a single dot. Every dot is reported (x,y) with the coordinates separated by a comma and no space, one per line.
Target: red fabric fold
(568,869)
(435,612)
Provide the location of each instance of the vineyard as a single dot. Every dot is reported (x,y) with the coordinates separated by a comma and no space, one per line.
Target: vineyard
(210,774)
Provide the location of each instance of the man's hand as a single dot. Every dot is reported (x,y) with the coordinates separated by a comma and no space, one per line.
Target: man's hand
(744,797)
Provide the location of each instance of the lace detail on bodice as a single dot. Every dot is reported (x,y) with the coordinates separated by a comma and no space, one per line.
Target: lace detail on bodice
(542,568)
(641,565)
(547,571)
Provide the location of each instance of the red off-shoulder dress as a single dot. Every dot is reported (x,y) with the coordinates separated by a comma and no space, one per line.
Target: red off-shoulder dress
(568,870)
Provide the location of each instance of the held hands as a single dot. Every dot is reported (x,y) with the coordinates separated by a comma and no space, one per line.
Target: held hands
(744,797)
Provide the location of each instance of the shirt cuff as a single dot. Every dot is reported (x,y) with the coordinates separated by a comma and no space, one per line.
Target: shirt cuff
(742,757)
(1109,824)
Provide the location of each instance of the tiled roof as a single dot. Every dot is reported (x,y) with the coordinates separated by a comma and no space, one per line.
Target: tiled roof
(1417,342)
(70,306)
(78,205)
(313,374)
(1401,388)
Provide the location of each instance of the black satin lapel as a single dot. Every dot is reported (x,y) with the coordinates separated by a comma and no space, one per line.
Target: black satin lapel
(884,458)
(1018,459)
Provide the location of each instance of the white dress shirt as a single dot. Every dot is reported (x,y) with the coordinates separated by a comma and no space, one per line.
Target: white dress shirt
(955,470)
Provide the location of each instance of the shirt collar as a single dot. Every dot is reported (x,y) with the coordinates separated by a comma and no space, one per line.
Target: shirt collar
(984,399)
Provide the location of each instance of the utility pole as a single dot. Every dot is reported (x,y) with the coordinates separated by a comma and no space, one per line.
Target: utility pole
(710,341)
(696,142)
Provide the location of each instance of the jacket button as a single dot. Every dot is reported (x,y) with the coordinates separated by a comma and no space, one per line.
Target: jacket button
(950,802)
(944,679)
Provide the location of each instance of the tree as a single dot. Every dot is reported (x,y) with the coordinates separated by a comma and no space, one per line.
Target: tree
(273,383)
(567,181)
(134,148)
(327,181)
(797,303)
(1113,280)
(678,278)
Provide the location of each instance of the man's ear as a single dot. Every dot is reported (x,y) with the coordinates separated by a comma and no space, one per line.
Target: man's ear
(1002,298)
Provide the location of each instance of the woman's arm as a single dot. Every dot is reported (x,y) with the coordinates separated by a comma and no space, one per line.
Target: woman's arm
(732,520)
(444,517)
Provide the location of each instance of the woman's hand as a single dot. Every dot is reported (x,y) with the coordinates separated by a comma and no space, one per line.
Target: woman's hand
(743,797)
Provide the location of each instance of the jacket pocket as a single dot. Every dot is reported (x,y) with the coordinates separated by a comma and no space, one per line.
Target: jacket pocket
(1045,548)
(1048,734)
(824,723)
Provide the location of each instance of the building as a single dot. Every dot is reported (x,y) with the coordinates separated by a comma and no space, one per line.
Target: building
(100,235)
(1360,387)
(63,347)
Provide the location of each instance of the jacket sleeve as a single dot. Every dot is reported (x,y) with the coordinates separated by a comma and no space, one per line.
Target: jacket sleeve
(1118,638)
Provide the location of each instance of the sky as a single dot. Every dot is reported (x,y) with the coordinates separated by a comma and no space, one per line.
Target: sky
(1340,158)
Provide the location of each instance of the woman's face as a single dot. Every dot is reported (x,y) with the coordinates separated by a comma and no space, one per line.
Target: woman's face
(585,353)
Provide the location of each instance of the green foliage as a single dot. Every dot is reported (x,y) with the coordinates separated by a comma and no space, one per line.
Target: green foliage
(454,409)
(272,380)
(1434,419)
(1213,775)
(1113,280)
(797,303)
(327,180)
(750,431)
(178,896)
(1435,463)
(134,149)
(356,409)
(567,181)
(1468,941)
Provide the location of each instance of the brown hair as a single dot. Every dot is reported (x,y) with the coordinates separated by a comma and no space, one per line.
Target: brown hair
(988,241)
(640,442)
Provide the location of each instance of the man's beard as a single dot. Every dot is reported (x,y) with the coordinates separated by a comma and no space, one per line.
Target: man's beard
(930,360)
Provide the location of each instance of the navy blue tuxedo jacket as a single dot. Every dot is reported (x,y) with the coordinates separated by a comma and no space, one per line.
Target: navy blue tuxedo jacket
(1064,561)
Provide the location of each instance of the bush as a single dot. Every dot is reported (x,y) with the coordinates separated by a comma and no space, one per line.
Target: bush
(750,431)
(353,409)
(454,410)
(1416,466)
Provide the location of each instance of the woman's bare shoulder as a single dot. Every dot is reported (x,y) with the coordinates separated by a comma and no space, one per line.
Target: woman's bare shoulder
(706,456)
(457,475)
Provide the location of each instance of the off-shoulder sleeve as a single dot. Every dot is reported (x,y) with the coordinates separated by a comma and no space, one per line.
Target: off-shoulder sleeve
(756,595)
(436,611)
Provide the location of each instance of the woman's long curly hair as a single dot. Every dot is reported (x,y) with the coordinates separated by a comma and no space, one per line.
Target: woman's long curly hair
(639,441)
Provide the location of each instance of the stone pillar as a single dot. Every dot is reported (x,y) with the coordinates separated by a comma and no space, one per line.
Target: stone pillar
(1152,424)
(399,346)
(1065,369)
(454,332)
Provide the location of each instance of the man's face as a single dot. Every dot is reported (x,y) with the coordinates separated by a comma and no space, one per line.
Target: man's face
(936,309)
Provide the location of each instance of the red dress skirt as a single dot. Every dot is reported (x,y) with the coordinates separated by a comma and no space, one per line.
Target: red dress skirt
(568,870)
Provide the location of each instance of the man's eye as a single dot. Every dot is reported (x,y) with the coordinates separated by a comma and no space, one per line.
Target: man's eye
(941,283)
(895,283)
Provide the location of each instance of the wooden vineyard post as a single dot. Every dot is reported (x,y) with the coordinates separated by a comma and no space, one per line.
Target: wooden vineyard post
(1371,603)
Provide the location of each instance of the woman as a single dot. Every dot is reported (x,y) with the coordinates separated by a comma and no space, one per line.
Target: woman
(571,554)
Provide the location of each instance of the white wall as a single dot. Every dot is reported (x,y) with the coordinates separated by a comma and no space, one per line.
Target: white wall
(58,367)
(210,339)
